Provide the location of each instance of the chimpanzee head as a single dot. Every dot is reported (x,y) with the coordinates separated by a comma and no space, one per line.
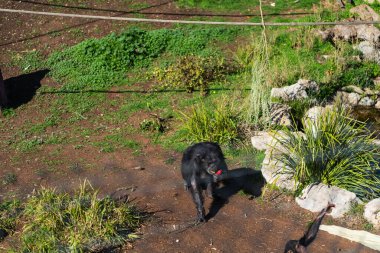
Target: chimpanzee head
(209,162)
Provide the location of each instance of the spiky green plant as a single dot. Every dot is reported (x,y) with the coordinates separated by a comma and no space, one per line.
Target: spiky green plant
(57,222)
(335,150)
(218,125)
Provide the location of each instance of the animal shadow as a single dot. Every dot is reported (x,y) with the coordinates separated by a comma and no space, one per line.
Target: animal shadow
(248,180)
(21,89)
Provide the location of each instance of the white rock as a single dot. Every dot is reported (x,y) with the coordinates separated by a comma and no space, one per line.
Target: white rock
(372,212)
(262,140)
(377,105)
(370,52)
(295,91)
(353,99)
(317,196)
(353,88)
(366,101)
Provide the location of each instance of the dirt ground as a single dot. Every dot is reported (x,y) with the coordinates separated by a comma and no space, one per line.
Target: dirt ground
(242,224)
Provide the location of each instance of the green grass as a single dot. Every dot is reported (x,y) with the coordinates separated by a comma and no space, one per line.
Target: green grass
(336,150)
(83,222)
(246,6)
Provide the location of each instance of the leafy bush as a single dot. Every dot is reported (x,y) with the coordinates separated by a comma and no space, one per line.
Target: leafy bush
(57,222)
(219,124)
(335,150)
(101,63)
(192,72)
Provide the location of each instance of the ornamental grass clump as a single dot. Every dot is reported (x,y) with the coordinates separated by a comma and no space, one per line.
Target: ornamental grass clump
(58,222)
(335,150)
(219,124)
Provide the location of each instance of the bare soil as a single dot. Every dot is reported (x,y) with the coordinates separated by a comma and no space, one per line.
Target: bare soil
(242,224)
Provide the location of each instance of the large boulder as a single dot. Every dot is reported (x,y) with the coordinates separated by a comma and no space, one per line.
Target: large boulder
(369,50)
(296,91)
(317,196)
(367,101)
(280,114)
(272,168)
(262,140)
(372,212)
(365,13)
(352,33)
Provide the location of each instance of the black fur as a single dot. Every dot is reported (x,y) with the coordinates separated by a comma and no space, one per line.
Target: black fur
(200,165)
(299,246)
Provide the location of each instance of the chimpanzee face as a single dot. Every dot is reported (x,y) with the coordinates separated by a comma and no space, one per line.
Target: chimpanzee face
(209,162)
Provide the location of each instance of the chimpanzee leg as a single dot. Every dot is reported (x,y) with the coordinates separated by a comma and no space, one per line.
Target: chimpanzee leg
(196,192)
(210,189)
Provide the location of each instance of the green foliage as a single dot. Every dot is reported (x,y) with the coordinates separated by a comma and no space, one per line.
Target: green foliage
(192,72)
(359,74)
(246,5)
(335,150)
(29,61)
(9,212)
(102,63)
(58,222)
(219,124)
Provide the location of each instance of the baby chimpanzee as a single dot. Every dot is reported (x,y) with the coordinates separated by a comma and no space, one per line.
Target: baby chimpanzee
(299,246)
(203,164)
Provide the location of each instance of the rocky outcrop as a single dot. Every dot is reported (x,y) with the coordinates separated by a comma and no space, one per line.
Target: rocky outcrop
(353,33)
(365,13)
(369,50)
(296,91)
(372,212)
(280,114)
(316,196)
(353,96)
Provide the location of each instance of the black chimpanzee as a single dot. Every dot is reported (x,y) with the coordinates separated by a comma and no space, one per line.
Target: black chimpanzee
(203,165)
(299,246)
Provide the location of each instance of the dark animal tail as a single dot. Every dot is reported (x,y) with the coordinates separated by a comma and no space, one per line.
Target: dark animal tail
(311,233)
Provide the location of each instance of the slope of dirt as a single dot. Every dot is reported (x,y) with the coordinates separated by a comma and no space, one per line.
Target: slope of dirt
(240,225)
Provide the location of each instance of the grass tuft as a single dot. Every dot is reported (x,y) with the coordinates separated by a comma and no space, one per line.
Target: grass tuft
(84,222)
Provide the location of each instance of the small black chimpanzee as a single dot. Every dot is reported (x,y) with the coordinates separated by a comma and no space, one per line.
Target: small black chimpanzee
(299,246)
(203,165)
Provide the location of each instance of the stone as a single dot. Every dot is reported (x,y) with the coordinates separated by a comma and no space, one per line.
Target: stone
(372,212)
(272,171)
(296,91)
(352,33)
(352,99)
(353,88)
(272,168)
(280,114)
(366,101)
(370,92)
(365,13)
(316,196)
(369,33)
(369,50)
(377,105)
(262,140)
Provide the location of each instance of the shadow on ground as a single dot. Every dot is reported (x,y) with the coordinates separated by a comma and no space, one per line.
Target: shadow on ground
(248,180)
(21,89)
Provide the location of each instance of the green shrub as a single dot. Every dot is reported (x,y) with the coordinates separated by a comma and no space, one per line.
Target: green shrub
(192,72)
(9,212)
(218,124)
(57,222)
(335,150)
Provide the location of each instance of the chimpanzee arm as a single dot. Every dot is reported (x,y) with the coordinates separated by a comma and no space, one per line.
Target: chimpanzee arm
(311,233)
(196,192)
